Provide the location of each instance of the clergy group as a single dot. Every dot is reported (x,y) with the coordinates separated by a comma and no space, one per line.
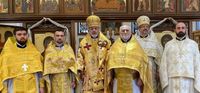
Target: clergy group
(133,63)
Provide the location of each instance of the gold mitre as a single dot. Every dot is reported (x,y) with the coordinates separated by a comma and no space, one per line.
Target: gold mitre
(93,20)
(143,20)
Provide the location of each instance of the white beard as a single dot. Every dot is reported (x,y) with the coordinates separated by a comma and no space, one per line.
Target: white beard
(125,37)
(94,36)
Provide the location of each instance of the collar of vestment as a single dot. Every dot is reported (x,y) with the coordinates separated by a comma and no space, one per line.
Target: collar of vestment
(59,45)
(94,38)
(181,38)
(20,45)
(144,36)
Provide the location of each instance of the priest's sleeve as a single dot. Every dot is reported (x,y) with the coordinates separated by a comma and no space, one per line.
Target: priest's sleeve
(197,69)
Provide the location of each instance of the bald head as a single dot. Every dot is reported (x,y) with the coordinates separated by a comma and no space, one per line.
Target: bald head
(180,29)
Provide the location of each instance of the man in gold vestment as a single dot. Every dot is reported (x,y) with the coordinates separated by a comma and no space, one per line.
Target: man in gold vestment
(127,65)
(20,65)
(91,57)
(59,65)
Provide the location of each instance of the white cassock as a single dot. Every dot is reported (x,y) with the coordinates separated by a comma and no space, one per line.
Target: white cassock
(180,67)
(153,49)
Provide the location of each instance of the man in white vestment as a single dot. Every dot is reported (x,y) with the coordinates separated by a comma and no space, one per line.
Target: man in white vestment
(152,48)
(180,64)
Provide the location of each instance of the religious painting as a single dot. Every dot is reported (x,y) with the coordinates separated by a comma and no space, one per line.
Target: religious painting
(3,6)
(165,39)
(8,34)
(196,37)
(165,6)
(165,36)
(5,33)
(110,28)
(41,40)
(72,7)
(190,5)
(141,5)
(108,6)
(49,6)
(47,40)
(82,28)
(24,6)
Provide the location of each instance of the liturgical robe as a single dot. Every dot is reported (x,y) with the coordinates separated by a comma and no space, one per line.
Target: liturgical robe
(60,68)
(180,67)
(126,59)
(153,49)
(20,68)
(91,58)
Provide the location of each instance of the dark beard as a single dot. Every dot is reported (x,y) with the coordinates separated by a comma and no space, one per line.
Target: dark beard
(22,42)
(59,42)
(180,34)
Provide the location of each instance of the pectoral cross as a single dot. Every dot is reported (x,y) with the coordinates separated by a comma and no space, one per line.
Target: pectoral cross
(24,67)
